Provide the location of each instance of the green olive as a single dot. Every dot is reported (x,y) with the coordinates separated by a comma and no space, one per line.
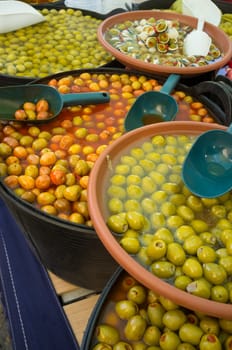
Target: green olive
(186,213)
(151,335)
(147,164)
(5,150)
(225,235)
(132,205)
(164,234)
(226,325)
(117,223)
(208,238)
(200,287)
(139,346)
(122,346)
(169,340)
(137,294)
(210,342)
(175,254)
(163,269)
(220,294)
(228,343)
(199,225)
(126,309)
(206,254)
(168,208)
(155,312)
(115,205)
(135,328)
(192,243)
(219,211)
(167,303)
(226,262)
(190,333)
(195,203)
(174,319)
(107,334)
(156,249)
(182,282)
(183,232)
(148,205)
(192,268)
(214,273)
(130,244)
(210,325)
(135,220)
(133,179)
(134,191)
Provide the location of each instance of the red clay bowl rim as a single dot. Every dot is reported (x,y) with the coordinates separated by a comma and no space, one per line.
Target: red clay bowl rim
(95,195)
(221,40)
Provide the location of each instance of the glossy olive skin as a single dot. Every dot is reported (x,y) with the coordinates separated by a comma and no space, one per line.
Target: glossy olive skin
(210,342)
(107,334)
(126,309)
(190,333)
(135,328)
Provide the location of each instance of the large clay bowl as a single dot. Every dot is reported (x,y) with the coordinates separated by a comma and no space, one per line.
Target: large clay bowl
(99,213)
(221,40)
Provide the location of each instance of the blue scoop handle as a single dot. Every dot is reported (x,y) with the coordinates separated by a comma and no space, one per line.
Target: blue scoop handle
(170,83)
(85,98)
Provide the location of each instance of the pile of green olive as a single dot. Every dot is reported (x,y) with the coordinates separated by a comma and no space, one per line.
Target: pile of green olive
(66,40)
(179,237)
(136,318)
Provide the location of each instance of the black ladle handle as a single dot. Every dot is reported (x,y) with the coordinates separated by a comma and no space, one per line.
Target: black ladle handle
(209,91)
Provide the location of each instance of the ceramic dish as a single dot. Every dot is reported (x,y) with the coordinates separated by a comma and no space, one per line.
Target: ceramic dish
(220,39)
(135,262)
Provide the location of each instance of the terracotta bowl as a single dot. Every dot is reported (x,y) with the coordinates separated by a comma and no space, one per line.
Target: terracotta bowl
(97,189)
(221,40)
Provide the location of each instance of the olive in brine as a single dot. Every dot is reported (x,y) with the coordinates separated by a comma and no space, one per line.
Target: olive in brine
(137,294)
(155,312)
(152,335)
(122,346)
(163,269)
(210,342)
(210,325)
(117,223)
(169,340)
(135,328)
(126,309)
(190,333)
(174,319)
(214,273)
(107,334)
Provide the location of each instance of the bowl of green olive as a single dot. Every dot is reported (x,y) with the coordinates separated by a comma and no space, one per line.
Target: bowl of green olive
(64,41)
(175,243)
(153,41)
(129,316)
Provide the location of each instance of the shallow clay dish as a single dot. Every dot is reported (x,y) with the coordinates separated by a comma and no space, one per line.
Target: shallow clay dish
(220,39)
(97,192)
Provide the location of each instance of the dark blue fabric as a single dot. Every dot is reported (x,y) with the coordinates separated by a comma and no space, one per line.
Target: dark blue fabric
(36,318)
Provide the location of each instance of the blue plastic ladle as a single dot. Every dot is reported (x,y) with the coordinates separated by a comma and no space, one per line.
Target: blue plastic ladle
(207,169)
(153,106)
(13,97)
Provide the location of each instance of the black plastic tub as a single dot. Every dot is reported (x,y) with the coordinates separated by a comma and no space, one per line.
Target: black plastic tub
(73,252)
